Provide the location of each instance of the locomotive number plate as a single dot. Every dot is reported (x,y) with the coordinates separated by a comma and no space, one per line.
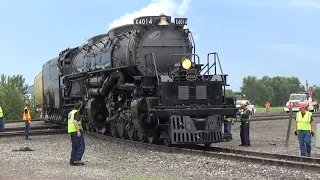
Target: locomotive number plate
(181,21)
(143,21)
(191,74)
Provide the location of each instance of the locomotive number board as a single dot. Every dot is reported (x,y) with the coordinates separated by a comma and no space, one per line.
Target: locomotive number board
(143,21)
(181,21)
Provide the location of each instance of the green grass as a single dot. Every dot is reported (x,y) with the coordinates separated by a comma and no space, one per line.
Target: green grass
(272,109)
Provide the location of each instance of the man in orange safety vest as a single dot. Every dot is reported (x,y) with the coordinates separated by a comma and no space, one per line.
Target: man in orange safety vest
(267,107)
(27,120)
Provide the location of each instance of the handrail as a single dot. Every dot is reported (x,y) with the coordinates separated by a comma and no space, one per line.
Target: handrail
(156,71)
(216,57)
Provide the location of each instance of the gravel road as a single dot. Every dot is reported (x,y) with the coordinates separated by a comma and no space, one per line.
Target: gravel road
(270,136)
(108,160)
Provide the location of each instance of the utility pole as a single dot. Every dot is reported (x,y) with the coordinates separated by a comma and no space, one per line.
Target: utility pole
(307,85)
(289,124)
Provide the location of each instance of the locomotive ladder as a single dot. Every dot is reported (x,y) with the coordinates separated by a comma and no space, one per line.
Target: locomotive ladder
(154,72)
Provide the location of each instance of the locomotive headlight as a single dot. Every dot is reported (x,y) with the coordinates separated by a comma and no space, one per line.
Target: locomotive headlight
(186,64)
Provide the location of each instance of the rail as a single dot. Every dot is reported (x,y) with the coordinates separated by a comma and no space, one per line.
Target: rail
(281,160)
(33,132)
(308,164)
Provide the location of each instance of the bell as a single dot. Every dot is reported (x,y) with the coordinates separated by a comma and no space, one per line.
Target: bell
(163,20)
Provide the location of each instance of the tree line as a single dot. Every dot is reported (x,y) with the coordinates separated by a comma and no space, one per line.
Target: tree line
(275,90)
(12,97)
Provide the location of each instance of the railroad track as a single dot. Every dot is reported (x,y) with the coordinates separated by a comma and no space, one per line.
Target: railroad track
(32,132)
(17,121)
(273,118)
(32,128)
(277,114)
(308,164)
(302,163)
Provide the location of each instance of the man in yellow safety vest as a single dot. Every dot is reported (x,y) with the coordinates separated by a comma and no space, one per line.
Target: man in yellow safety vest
(77,136)
(304,129)
(227,128)
(27,120)
(1,120)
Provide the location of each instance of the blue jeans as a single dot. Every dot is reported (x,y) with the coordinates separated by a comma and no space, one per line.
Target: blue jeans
(304,138)
(78,146)
(1,124)
(244,134)
(227,128)
(27,128)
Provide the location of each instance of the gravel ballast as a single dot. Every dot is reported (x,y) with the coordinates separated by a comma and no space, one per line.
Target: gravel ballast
(110,160)
(270,136)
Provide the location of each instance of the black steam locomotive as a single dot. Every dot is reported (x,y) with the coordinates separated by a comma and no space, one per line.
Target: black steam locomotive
(141,81)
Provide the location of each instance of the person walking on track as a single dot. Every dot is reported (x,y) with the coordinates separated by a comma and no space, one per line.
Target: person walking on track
(244,127)
(77,136)
(1,120)
(305,128)
(27,120)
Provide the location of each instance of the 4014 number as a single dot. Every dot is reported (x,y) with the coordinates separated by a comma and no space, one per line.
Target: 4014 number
(143,21)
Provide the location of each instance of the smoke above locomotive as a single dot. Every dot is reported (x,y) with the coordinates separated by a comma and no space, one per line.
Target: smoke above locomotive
(139,81)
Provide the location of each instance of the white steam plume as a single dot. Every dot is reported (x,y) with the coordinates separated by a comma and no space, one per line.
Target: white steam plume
(155,8)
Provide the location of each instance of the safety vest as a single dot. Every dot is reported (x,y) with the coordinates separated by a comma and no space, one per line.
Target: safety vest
(303,123)
(26,116)
(71,127)
(245,120)
(1,113)
(227,119)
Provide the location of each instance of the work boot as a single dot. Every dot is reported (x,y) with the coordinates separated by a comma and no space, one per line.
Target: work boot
(79,162)
(27,138)
(73,163)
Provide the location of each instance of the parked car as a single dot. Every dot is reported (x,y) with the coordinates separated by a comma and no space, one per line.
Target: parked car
(250,106)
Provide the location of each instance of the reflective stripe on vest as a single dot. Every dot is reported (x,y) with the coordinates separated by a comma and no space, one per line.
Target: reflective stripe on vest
(26,116)
(303,123)
(1,113)
(71,127)
(228,119)
(244,120)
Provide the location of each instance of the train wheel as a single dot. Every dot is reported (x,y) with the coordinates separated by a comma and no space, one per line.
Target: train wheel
(106,127)
(167,142)
(97,130)
(151,137)
(86,126)
(113,129)
(141,136)
(132,133)
(121,127)
(91,128)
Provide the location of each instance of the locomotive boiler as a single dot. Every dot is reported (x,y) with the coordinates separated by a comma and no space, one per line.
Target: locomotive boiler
(141,81)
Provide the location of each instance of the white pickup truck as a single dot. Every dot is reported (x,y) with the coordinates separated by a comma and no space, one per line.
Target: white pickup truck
(297,98)
(250,106)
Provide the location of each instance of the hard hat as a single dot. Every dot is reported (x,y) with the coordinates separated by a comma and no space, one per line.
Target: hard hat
(243,103)
(302,105)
